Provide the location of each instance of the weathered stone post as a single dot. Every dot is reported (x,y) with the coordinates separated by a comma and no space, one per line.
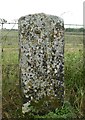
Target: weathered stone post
(41,40)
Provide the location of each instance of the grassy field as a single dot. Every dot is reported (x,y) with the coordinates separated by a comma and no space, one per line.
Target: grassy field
(74,87)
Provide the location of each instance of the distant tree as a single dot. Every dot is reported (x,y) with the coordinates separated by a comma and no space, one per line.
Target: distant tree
(74,29)
(81,29)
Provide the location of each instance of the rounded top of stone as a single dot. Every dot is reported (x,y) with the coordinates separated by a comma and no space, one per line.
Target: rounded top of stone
(40,15)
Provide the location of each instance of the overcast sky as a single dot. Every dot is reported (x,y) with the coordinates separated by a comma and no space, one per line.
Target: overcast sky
(70,10)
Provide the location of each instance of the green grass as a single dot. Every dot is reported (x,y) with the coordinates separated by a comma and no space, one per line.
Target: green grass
(9,38)
(73,39)
(73,77)
(11,91)
(66,112)
(10,56)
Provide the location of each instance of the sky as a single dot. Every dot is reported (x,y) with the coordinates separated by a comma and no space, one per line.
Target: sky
(70,10)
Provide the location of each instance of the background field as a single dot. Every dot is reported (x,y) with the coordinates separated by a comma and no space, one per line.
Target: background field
(74,105)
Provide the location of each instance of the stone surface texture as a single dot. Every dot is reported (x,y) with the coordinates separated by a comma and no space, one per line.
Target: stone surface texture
(41,41)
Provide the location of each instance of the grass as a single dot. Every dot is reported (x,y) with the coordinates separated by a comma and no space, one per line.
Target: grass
(10,56)
(66,112)
(11,93)
(73,78)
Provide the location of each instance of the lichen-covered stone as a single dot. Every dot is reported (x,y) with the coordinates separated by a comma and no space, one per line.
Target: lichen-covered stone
(41,40)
